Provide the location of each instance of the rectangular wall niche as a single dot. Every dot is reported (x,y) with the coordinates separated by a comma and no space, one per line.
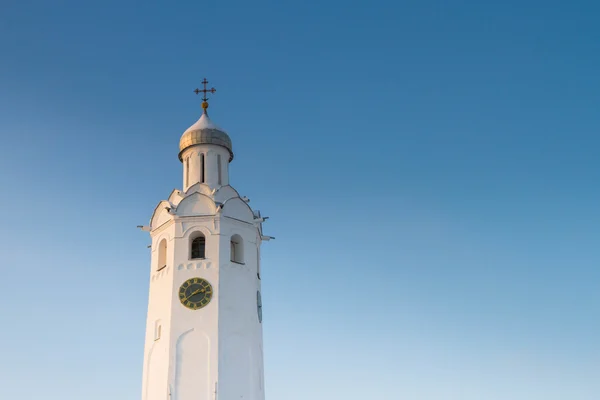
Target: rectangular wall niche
(157,329)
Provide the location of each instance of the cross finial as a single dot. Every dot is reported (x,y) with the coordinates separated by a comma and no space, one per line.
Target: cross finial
(204,93)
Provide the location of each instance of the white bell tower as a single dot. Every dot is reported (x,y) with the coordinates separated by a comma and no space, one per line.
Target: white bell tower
(204,331)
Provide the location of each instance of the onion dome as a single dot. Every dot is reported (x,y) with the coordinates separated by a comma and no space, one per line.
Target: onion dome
(204,131)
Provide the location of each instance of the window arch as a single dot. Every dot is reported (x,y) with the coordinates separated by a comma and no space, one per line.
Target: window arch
(162,254)
(237,249)
(197,246)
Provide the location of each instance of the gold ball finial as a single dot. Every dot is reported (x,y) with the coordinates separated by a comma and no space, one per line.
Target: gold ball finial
(204,105)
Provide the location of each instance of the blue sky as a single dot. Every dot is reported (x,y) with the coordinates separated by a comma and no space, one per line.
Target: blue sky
(430,169)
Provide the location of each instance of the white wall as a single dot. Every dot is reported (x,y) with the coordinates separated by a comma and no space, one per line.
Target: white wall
(240,333)
(221,342)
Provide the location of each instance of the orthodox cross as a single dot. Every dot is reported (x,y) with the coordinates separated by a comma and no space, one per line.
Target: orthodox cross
(205,90)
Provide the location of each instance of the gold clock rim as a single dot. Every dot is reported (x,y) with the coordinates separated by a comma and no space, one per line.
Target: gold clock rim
(196,306)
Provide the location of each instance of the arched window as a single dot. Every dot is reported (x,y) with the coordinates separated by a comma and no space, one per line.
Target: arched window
(237,249)
(162,254)
(218,169)
(202,168)
(198,246)
(187,171)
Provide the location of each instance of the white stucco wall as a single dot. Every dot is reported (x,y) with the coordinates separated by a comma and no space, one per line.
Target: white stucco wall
(240,332)
(221,343)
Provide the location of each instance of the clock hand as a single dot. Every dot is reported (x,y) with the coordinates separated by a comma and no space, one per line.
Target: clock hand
(193,294)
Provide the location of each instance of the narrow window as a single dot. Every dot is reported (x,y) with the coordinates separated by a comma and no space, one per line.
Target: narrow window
(198,247)
(187,171)
(237,249)
(259,306)
(258,263)
(202,165)
(219,169)
(162,254)
(157,329)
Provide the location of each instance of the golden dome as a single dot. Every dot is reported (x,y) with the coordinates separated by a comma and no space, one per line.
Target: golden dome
(204,131)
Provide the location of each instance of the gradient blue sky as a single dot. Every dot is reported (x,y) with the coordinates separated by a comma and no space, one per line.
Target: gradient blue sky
(430,169)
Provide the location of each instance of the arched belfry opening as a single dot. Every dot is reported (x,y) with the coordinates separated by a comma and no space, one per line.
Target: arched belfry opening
(237,249)
(197,246)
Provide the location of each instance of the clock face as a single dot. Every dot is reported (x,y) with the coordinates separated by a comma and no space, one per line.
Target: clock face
(195,293)
(259,306)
